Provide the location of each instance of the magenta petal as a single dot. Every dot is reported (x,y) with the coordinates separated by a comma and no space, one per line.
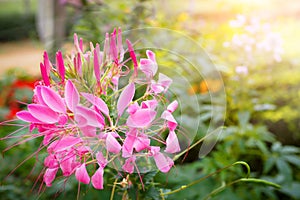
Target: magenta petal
(43,113)
(152,104)
(151,55)
(100,159)
(47,63)
(127,147)
(97,179)
(129,165)
(38,95)
(113,46)
(172,106)
(172,124)
(27,117)
(132,108)
(112,145)
(141,118)
(82,175)
(141,143)
(125,98)
(71,96)
(172,144)
(49,176)
(163,163)
(96,101)
(53,100)
(69,164)
(50,161)
(93,118)
(63,144)
(133,56)
(88,131)
(60,65)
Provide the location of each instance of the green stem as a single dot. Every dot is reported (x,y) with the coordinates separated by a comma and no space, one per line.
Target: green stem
(113,190)
(251,180)
(207,176)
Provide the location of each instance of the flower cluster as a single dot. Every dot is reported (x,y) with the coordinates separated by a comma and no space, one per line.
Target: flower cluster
(92,109)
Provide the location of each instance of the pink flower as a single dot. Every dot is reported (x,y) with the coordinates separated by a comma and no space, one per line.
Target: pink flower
(162,85)
(163,163)
(149,65)
(112,144)
(129,165)
(134,140)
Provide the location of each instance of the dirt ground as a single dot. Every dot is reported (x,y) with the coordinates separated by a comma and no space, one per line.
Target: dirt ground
(24,55)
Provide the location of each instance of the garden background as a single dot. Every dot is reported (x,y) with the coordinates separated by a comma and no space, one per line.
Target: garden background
(254,45)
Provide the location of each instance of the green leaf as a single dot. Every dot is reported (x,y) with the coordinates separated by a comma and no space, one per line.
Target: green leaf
(269,164)
(290,150)
(293,159)
(284,168)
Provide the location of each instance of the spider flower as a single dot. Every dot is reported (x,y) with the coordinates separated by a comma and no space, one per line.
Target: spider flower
(88,117)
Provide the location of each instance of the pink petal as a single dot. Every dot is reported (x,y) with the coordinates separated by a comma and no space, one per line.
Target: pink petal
(149,104)
(47,63)
(49,176)
(156,88)
(97,179)
(53,100)
(141,118)
(79,65)
(101,160)
(129,165)
(172,144)
(44,74)
(148,67)
(27,117)
(112,144)
(172,124)
(82,175)
(93,118)
(125,98)
(141,143)
(172,106)
(128,143)
(132,108)
(69,164)
(43,113)
(164,80)
(96,101)
(63,144)
(60,65)
(88,131)
(38,95)
(151,55)
(163,163)
(50,161)
(71,96)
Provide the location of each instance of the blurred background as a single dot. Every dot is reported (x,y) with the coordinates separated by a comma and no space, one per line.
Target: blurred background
(254,45)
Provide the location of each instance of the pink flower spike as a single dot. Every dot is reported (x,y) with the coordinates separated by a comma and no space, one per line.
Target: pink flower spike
(133,56)
(172,106)
(97,63)
(172,144)
(120,45)
(163,163)
(43,113)
(125,98)
(96,101)
(44,74)
(129,165)
(27,117)
(71,96)
(53,100)
(112,145)
(113,46)
(82,175)
(47,63)
(97,179)
(49,176)
(60,65)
